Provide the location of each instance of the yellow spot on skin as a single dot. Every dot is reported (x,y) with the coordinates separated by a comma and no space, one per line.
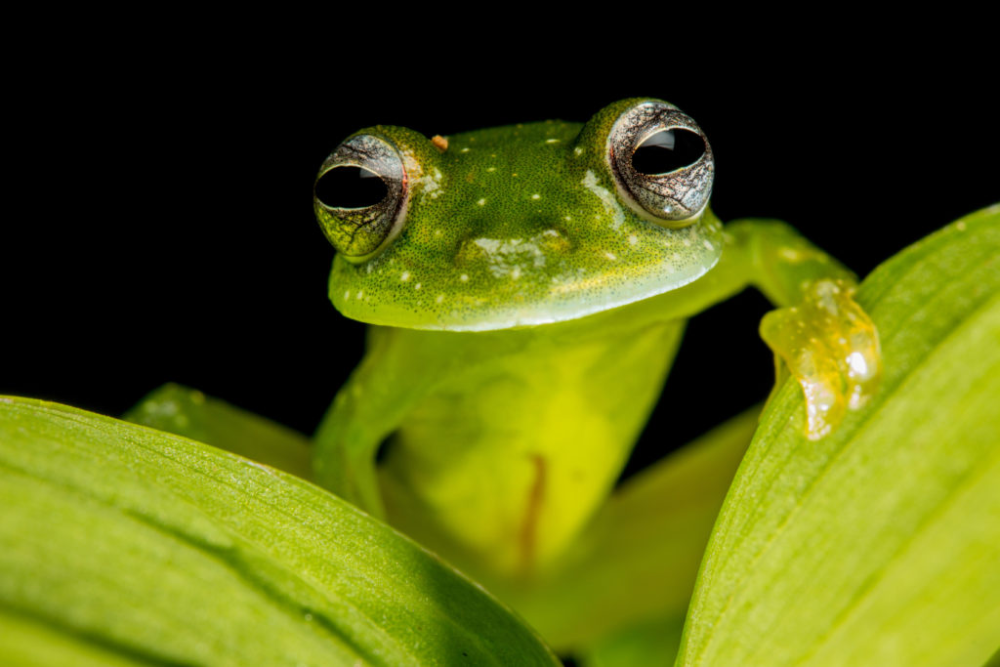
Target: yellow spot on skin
(439,142)
(791,255)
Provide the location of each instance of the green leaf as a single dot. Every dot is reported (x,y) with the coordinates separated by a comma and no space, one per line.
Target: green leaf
(124,541)
(879,544)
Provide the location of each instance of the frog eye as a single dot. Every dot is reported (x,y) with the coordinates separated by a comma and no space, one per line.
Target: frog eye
(662,163)
(360,196)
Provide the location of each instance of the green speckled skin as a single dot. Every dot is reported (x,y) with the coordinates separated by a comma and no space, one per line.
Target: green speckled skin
(516,226)
(529,315)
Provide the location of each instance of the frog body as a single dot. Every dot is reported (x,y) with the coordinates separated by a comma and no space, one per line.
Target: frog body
(529,287)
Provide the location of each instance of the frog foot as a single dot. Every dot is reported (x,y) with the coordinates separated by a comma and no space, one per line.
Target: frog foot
(831,346)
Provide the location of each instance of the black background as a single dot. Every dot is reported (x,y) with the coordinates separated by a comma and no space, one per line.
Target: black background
(159,223)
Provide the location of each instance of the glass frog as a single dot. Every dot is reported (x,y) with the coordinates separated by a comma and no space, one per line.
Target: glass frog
(528,288)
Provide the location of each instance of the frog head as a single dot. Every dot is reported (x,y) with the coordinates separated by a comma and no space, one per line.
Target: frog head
(520,225)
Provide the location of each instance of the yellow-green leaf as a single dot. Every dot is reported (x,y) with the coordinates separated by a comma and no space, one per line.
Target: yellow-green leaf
(118,540)
(880,544)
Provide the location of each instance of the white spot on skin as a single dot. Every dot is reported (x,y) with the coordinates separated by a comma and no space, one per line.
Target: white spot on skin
(611,207)
(536,196)
(437,233)
(960,226)
(464,150)
(418,286)
(439,299)
(464,277)
(633,239)
(577,151)
(515,273)
(481,202)
(347,294)
(552,232)
(708,245)
(610,256)
(552,141)
(489,245)
(404,276)
(857,363)
(507,256)
(361,295)
(491,168)
(426,185)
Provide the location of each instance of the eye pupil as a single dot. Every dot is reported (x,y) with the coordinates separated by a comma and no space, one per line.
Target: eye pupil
(350,187)
(668,150)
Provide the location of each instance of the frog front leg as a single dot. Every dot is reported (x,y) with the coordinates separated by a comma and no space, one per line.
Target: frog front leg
(818,333)
(400,369)
(382,390)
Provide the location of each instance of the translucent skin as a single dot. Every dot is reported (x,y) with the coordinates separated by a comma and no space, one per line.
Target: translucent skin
(529,313)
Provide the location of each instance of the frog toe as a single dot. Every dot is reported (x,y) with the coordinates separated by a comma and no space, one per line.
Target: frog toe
(831,346)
